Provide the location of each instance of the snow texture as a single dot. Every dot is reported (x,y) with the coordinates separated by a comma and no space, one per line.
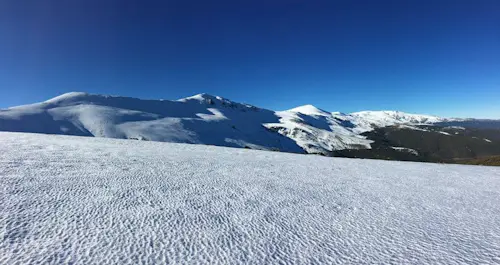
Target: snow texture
(74,200)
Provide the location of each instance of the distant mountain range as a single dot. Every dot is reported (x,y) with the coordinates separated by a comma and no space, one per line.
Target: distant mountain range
(213,120)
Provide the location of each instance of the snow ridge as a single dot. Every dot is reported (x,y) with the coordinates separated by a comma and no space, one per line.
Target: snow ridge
(373,119)
(309,110)
(203,119)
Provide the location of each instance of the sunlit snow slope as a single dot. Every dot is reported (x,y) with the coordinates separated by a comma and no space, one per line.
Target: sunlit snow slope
(201,119)
(318,131)
(84,200)
(368,120)
(205,119)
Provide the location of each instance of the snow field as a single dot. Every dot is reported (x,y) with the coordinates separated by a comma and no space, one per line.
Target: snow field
(105,201)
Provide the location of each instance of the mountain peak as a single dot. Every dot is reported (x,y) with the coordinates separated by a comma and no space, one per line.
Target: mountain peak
(203,97)
(67,96)
(310,110)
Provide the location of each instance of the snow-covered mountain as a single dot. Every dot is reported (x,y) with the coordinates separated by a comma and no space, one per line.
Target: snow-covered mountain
(372,119)
(203,119)
(318,131)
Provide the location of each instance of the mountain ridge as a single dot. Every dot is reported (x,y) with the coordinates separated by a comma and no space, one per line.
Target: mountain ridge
(206,119)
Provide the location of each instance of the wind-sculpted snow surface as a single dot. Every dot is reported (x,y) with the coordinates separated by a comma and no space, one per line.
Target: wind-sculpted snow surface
(80,200)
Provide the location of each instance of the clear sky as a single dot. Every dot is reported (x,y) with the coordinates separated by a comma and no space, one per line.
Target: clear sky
(425,56)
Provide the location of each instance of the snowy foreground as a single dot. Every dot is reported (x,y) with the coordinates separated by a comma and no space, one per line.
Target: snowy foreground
(85,200)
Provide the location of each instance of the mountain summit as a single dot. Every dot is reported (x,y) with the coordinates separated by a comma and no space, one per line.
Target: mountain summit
(309,110)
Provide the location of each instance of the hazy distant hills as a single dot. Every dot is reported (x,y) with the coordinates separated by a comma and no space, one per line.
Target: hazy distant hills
(213,120)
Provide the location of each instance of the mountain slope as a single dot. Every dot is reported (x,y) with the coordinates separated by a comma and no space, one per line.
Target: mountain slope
(429,143)
(318,131)
(213,120)
(201,119)
(369,120)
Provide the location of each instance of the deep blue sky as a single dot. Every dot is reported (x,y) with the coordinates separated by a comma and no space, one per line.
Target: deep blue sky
(426,56)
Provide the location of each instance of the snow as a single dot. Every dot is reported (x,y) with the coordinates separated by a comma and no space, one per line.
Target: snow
(84,200)
(415,128)
(205,119)
(309,110)
(67,96)
(201,119)
(455,127)
(404,149)
(374,119)
(318,132)
(445,133)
